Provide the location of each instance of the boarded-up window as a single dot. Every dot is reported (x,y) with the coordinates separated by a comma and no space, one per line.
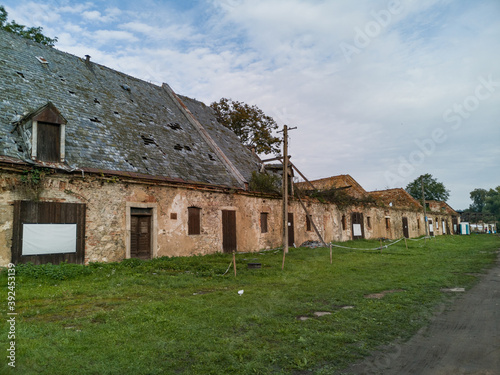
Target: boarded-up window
(48,145)
(48,232)
(308,223)
(194,220)
(263,222)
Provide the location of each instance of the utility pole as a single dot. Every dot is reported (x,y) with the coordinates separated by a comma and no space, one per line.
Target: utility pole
(285,192)
(425,211)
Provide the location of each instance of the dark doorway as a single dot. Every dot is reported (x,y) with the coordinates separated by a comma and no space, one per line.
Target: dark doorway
(228,231)
(358,230)
(140,233)
(406,231)
(454,222)
(291,234)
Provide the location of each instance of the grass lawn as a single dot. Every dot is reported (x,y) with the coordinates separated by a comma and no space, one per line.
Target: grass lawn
(181,316)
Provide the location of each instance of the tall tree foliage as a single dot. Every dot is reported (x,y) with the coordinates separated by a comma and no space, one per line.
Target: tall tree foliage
(433,189)
(478,197)
(249,123)
(33,33)
(492,203)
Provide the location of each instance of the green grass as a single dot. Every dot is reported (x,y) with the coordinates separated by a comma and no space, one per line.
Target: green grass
(181,316)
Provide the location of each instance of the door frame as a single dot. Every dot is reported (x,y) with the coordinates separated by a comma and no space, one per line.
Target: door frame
(291,230)
(355,217)
(229,238)
(406,228)
(154,226)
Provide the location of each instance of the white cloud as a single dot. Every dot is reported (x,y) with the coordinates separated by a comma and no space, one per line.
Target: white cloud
(357,115)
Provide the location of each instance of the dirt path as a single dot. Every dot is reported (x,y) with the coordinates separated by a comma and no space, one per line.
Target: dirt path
(463,339)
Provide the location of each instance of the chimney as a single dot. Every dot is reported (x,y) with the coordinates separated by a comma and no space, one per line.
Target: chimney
(87,58)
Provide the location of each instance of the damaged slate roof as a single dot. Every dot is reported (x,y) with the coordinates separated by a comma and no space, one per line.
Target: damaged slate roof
(114,121)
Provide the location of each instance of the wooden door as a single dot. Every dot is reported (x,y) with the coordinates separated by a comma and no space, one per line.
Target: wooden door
(291,233)
(357,227)
(406,231)
(229,231)
(140,236)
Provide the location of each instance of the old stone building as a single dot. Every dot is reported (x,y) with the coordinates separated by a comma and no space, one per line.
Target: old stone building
(96,165)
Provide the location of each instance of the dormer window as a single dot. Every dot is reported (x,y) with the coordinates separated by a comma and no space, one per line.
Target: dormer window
(47,139)
(48,142)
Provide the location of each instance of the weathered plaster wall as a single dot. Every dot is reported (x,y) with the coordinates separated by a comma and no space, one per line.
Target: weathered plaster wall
(109,200)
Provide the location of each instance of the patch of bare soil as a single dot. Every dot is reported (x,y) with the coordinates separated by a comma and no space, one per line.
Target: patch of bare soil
(382,294)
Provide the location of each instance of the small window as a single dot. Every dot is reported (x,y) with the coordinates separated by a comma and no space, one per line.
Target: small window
(368,222)
(263,222)
(437,224)
(308,223)
(194,220)
(418,223)
(387,223)
(343,222)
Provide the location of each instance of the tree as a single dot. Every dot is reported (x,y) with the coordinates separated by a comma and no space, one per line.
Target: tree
(478,197)
(492,202)
(33,33)
(249,123)
(433,189)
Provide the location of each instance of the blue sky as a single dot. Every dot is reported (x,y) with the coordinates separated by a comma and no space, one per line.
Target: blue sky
(382,90)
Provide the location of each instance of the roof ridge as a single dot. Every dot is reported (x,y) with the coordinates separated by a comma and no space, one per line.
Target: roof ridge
(206,136)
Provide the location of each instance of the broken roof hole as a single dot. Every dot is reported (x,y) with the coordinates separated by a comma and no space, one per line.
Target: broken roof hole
(187,148)
(148,140)
(95,119)
(144,158)
(96,101)
(178,147)
(211,157)
(21,74)
(116,112)
(125,87)
(174,126)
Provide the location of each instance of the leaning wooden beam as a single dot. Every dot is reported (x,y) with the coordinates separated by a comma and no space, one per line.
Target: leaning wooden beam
(310,219)
(275,159)
(301,175)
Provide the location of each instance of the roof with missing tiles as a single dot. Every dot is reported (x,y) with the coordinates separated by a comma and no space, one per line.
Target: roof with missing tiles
(114,121)
(396,198)
(344,181)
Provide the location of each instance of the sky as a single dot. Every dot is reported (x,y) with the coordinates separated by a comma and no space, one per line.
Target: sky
(384,91)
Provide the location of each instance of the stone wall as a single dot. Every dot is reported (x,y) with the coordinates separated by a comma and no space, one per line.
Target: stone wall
(109,200)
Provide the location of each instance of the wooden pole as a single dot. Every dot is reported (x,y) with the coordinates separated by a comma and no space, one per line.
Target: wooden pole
(285,193)
(406,244)
(234,263)
(381,246)
(331,260)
